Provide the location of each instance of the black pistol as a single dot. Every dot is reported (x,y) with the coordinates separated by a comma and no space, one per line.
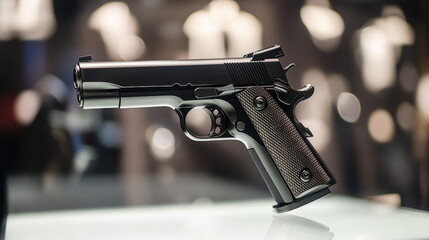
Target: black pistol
(248,99)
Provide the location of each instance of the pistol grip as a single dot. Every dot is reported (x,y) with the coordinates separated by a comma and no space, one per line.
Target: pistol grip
(299,165)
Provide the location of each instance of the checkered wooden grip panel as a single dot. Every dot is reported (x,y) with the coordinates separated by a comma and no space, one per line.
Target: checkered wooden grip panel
(282,140)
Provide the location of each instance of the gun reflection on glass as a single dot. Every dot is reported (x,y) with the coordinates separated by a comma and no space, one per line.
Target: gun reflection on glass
(295,227)
(247,99)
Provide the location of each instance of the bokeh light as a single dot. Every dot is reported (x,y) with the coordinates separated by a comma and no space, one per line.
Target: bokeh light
(223,10)
(322,23)
(204,38)
(34,19)
(7,14)
(422,96)
(378,59)
(393,23)
(348,107)
(239,31)
(118,29)
(131,47)
(405,116)
(325,25)
(220,29)
(163,143)
(26,107)
(381,44)
(381,126)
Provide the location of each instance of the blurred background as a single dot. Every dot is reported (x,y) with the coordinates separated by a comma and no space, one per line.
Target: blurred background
(368,61)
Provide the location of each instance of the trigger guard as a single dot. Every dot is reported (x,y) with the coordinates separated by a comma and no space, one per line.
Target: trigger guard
(217,122)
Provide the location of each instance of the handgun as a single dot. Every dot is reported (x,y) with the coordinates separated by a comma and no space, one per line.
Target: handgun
(247,99)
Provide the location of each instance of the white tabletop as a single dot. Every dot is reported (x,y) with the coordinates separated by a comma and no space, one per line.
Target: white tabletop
(332,217)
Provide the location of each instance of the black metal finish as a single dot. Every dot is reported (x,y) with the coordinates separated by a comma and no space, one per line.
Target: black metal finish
(207,72)
(248,99)
(270,52)
(265,175)
(285,207)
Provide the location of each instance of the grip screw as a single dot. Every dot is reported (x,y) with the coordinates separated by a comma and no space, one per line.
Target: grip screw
(240,126)
(305,175)
(260,103)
